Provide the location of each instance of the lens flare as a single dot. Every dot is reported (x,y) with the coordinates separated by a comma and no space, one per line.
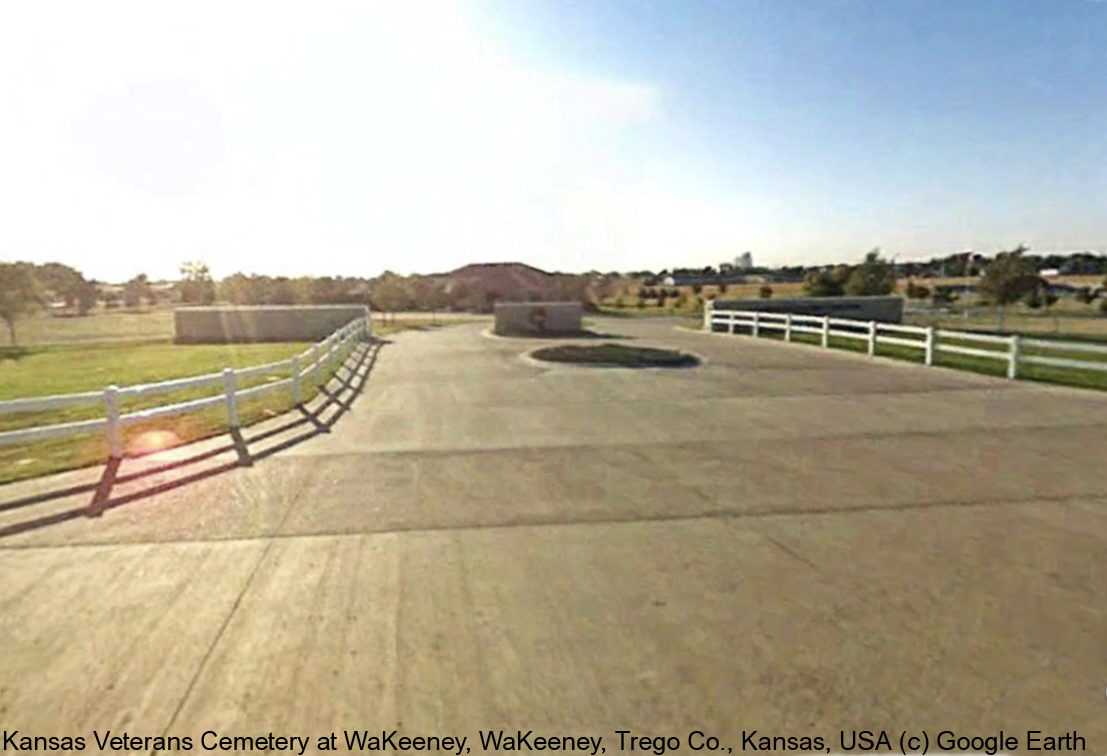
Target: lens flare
(152,441)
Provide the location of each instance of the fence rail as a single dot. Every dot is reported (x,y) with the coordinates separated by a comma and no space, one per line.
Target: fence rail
(931,341)
(311,362)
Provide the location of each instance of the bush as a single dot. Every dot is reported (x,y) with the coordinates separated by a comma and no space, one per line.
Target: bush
(1085,295)
(943,295)
(766,291)
(917,291)
(825,283)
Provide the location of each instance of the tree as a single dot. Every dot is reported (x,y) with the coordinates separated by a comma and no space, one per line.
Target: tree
(943,295)
(21,294)
(917,291)
(196,286)
(573,288)
(61,281)
(137,289)
(873,277)
(722,288)
(765,292)
(1009,278)
(87,296)
(825,283)
(391,292)
(1085,295)
(697,289)
(68,284)
(430,294)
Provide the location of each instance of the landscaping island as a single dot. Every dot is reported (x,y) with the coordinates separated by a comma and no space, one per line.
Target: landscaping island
(616,355)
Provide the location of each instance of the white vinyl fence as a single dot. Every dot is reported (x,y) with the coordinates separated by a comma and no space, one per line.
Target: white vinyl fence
(928,340)
(309,363)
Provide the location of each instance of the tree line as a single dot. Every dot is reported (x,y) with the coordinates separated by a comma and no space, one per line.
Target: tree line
(1009,277)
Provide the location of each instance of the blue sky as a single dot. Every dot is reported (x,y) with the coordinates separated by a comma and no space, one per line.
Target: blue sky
(421,135)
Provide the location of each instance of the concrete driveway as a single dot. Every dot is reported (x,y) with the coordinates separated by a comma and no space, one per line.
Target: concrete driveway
(784,539)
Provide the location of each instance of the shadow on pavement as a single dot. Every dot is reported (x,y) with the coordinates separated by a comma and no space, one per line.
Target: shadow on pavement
(337,395)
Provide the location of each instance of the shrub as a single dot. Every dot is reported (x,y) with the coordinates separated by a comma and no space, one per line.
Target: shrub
(917,291)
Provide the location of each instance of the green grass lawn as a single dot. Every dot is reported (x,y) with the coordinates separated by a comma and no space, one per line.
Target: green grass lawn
(106,325)
(47,370)
(997,367)
(149,325)
(1067,320)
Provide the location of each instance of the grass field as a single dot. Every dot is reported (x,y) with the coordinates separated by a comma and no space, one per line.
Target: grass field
(1066,318)
(147,325)
(1093,379)
(48,369)
(109,325)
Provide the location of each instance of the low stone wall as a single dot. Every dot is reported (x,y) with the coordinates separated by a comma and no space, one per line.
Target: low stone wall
(222,325)
(880,309)
(538,318)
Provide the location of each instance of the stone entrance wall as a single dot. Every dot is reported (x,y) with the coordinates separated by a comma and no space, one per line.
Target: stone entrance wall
(537,318)
(221,325)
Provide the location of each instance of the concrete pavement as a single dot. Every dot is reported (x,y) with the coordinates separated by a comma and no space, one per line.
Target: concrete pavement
(783,539)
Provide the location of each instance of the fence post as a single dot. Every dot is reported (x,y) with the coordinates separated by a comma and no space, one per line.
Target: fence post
(756,324)
(232,398)
(787,326)
(1013,358)
(297,390)
(826,330)
(707,309)
(928,356)
(317,358)
(872,338)
(730,323)
(111,409)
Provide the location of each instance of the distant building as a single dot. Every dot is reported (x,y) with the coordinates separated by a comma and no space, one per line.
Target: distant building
(482,284)
(744,261)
